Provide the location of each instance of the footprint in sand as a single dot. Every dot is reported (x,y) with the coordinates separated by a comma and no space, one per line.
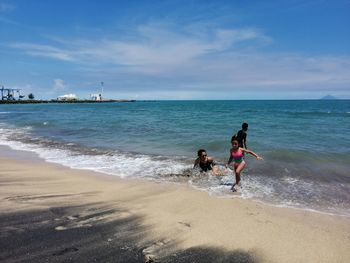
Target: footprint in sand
(87,219)
(185,224)
(149,253)
(64,251)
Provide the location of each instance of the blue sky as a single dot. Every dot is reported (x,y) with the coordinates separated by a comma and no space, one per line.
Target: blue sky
(174,49)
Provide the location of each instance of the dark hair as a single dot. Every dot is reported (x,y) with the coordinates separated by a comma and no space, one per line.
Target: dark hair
(245,126)
(200,151)
(234,137)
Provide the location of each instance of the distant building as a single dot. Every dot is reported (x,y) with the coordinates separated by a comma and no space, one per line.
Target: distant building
(97,97)
(10,94)
(68,97)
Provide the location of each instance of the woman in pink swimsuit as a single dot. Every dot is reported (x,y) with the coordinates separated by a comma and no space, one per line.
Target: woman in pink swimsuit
(237,155)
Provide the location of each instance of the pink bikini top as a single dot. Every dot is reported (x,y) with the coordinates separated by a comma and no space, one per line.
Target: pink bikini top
(238,156)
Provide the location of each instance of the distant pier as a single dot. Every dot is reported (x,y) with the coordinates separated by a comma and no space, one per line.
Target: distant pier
(59,101)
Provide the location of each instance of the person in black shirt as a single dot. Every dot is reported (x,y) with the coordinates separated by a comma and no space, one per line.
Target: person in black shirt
(241,136)
(206,163)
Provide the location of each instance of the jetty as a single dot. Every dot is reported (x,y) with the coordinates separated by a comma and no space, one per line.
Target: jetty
(59,101)
(14,96)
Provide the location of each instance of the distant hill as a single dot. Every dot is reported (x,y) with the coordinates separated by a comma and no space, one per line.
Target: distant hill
(329,97)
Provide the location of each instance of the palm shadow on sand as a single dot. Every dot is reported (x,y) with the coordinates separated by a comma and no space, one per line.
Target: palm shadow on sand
(94,233)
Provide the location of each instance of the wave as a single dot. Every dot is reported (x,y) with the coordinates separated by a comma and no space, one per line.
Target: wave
(316,114)
(111,162)
(272,183)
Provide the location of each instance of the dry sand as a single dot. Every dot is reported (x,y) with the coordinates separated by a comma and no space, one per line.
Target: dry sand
(51,213)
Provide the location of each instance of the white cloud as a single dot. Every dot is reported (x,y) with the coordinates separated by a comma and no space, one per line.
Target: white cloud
(225,59)
(6,7)
(44,51)
(59,85)
(150,46)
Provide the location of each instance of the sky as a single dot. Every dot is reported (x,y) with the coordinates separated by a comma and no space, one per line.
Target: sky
(176,49)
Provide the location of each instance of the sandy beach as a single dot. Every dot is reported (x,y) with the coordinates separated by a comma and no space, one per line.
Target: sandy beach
(50,213)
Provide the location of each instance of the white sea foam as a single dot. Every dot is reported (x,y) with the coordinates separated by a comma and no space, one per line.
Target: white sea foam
(119,164)
(160,168)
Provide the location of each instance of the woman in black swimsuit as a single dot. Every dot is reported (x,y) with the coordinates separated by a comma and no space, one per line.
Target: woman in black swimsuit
(206,163)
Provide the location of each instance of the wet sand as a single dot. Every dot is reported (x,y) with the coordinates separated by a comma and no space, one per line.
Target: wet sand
(50,213)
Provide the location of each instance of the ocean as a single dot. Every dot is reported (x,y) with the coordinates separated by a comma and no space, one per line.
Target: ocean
(305,144)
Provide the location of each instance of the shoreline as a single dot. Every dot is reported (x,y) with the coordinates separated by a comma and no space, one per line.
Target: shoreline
(135,219)
(28,155)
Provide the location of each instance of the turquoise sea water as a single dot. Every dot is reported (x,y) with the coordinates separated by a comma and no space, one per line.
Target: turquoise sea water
(305,144)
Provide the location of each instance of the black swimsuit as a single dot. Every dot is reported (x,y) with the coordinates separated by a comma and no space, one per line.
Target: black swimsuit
(206,166)
(241,136)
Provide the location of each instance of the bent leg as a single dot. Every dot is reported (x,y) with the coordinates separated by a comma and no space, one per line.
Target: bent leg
(238,169)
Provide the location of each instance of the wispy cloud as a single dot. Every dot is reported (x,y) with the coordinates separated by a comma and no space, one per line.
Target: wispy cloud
(44,51)
(6,7)
(299,4)
(59,85)
(220,57)
(149,46)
